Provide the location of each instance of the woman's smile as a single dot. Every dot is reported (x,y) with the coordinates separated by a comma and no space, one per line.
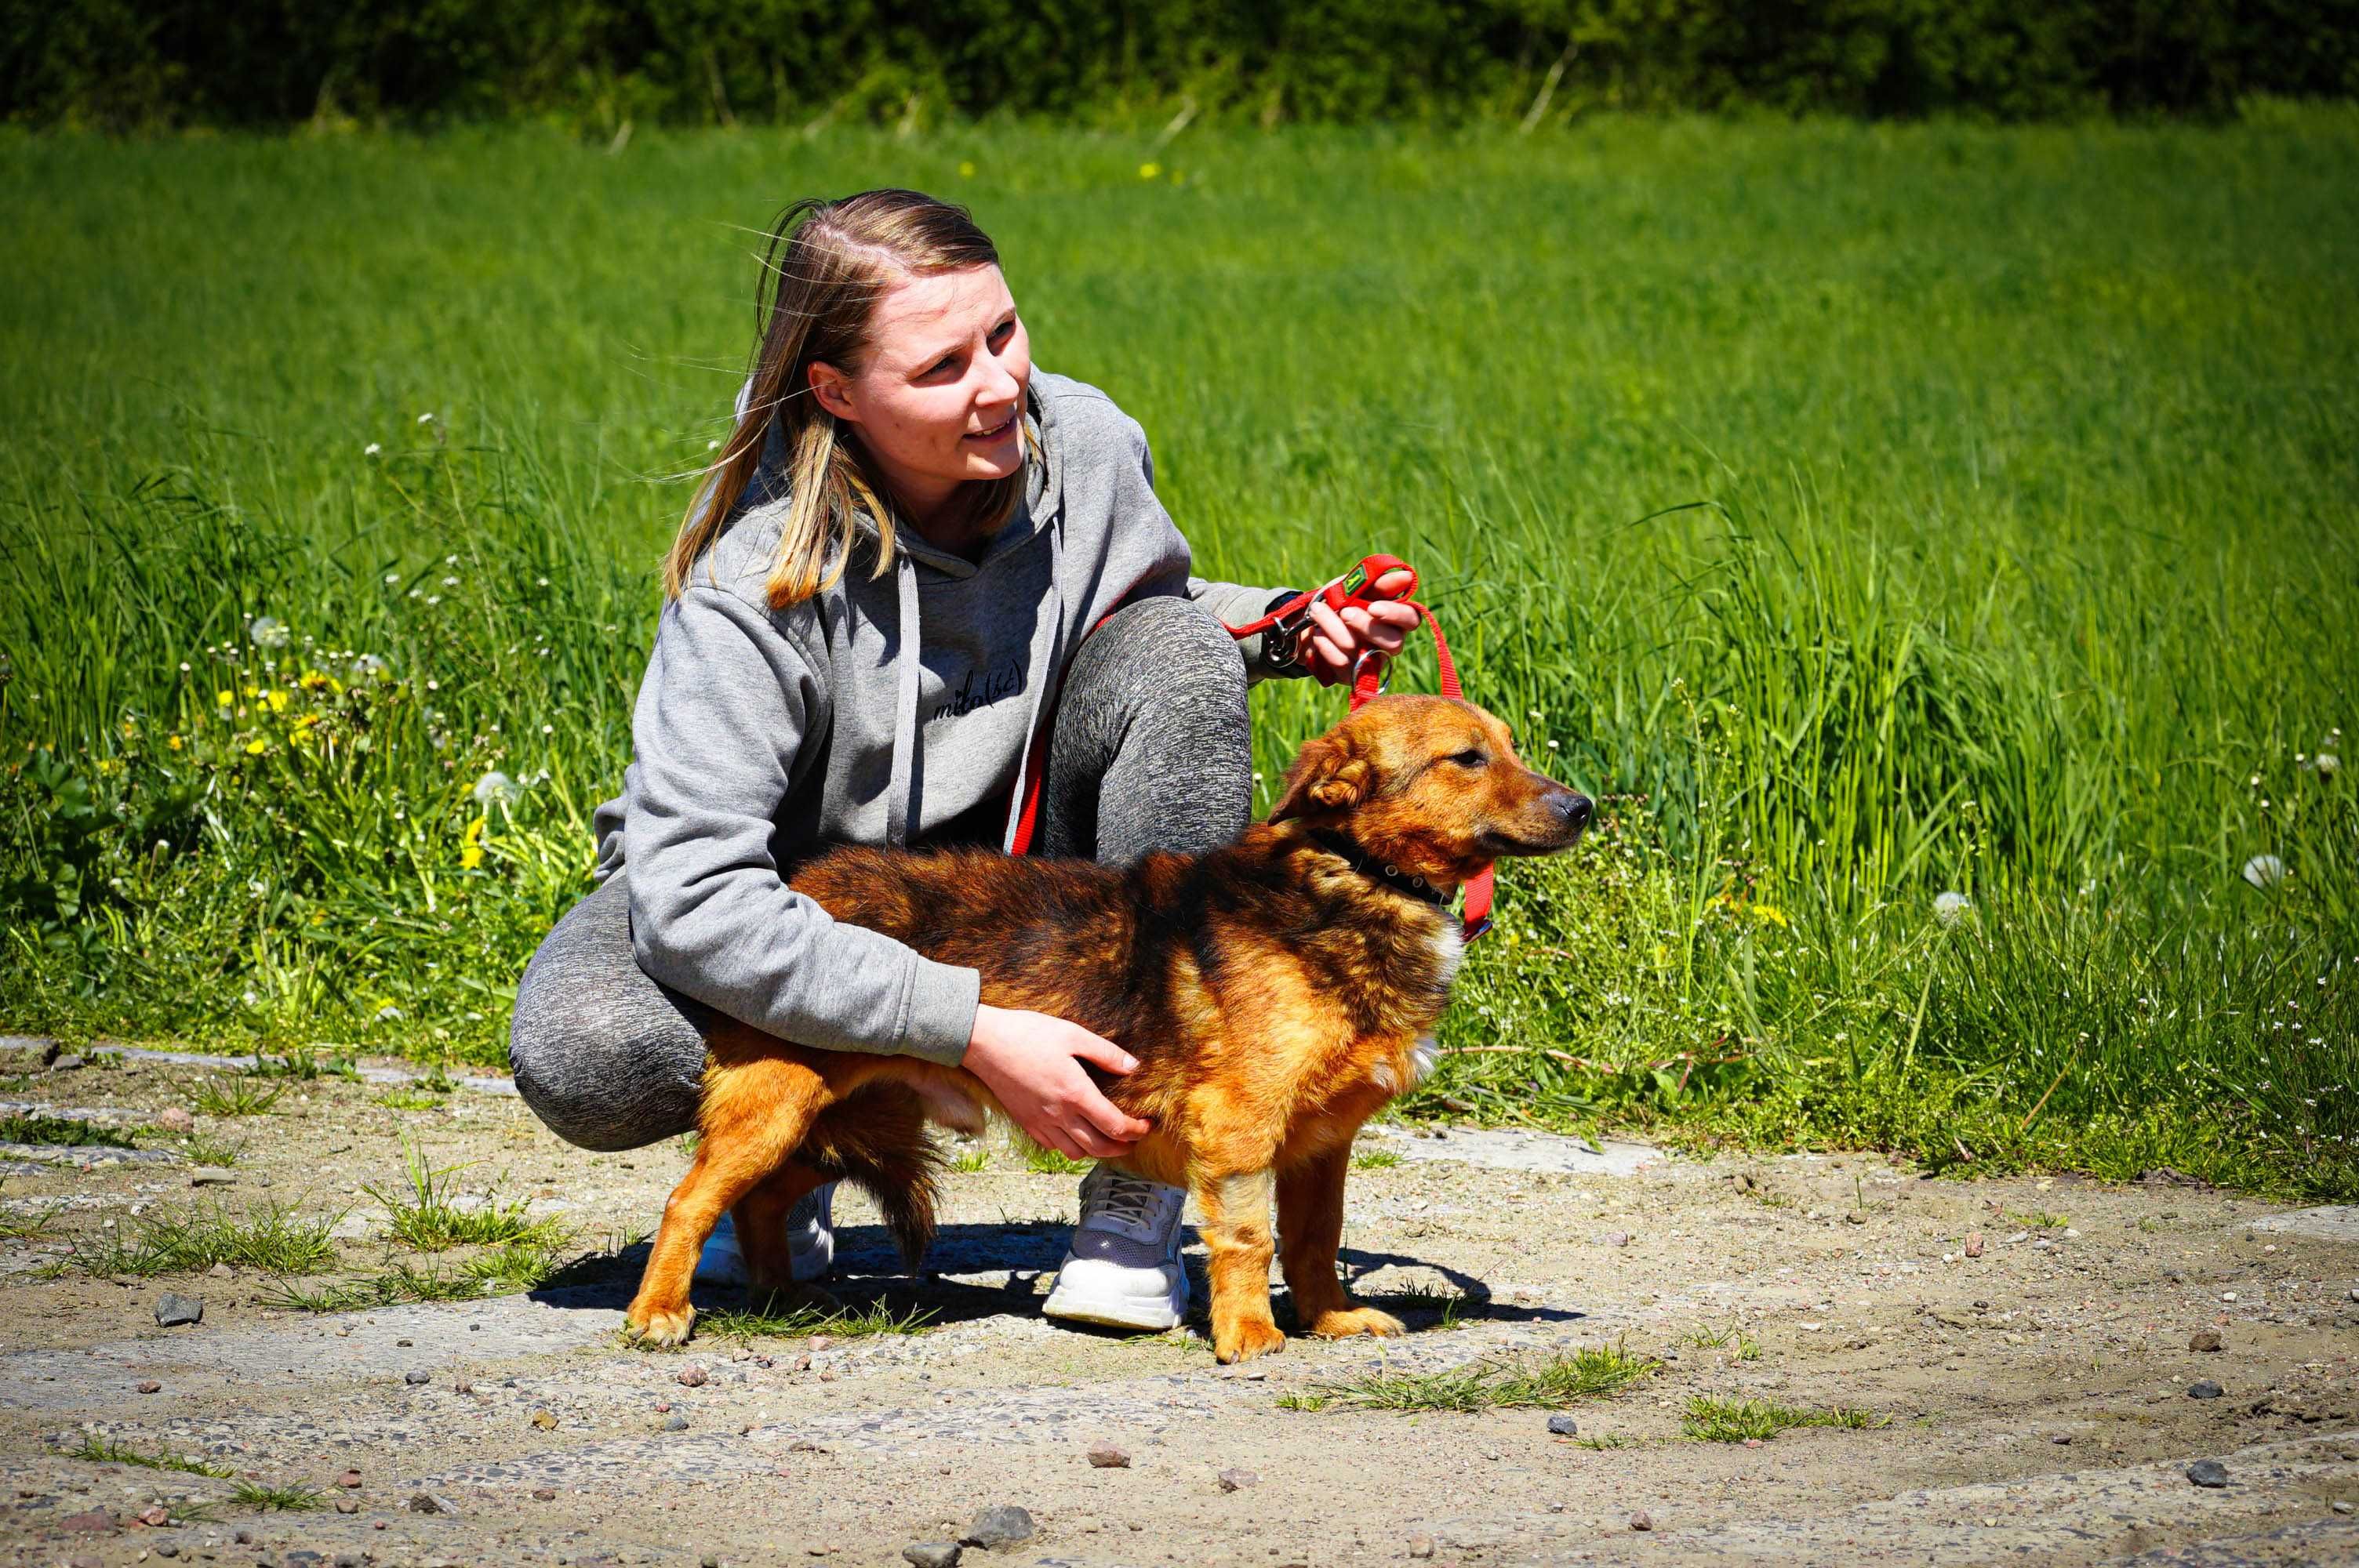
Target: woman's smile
(996,433)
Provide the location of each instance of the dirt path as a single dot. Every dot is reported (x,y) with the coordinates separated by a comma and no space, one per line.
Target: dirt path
(2032,1400)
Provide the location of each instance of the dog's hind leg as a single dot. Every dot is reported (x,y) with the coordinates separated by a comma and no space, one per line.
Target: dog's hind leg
(761,1220)
(754,1114)
(1236,1233)
(1310,1229)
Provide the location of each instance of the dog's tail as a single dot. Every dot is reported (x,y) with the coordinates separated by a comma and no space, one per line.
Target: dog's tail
(880,1145)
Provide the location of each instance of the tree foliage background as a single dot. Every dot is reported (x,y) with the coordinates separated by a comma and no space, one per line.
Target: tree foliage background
(128,64)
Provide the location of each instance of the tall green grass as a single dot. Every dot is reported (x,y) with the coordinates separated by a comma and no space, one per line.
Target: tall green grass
(1865,515)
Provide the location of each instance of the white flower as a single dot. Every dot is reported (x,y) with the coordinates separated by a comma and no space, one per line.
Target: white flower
(449,582)
(427,417)
(392,577)
(372,450)
(365,665)
(2327,763)
(712,446)
(495,788)
(267,631)
(2263,870)
(1949,908)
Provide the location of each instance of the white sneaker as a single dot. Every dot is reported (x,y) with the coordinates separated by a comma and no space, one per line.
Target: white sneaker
(1121,1268)
(811,1243)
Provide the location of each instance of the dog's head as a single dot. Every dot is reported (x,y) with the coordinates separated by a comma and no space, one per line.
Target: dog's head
(1432,786)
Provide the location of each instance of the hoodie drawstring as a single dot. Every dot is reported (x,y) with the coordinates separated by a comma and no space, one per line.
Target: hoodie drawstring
(905,708)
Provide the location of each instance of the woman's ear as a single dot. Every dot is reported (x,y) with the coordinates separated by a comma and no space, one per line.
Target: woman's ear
(1326,777)
(833,390)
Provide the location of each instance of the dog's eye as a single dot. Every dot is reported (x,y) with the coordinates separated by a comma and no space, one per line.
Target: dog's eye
(1470,759)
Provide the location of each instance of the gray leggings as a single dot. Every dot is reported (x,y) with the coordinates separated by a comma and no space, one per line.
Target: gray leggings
(1151,750)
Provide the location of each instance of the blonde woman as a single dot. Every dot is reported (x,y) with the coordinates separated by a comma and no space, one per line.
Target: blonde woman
(914,552)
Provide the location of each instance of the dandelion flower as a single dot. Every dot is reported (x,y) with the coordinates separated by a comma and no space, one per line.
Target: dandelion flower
(1150,170)
(2264,871)
(472,854)
(1949,908)
(495,788)
(267,631)
(256,748)
(2327,763)
(223,698)
(372,450)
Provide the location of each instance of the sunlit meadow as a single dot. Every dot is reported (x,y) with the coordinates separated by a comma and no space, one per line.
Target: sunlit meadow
(1934,545)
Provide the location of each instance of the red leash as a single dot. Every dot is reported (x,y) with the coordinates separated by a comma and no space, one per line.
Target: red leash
(1356,587)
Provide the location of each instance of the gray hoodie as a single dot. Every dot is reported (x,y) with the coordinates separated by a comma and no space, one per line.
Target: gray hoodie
(875,713)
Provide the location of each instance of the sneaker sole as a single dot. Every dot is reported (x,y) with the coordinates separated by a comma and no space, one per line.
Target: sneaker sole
(1147,1318)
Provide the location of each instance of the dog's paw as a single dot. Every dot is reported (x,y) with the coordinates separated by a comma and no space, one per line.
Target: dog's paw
(1244,1341)
(661,1330)
(1357,1320)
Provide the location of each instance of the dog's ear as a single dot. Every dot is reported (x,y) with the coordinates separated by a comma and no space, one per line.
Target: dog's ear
(1326,776)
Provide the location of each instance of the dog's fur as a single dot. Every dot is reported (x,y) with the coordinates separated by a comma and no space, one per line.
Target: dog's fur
(1275,994)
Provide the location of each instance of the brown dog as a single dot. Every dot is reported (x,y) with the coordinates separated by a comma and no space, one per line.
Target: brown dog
(1277,993)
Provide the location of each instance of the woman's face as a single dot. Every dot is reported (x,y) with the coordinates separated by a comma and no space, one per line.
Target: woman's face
(940,400)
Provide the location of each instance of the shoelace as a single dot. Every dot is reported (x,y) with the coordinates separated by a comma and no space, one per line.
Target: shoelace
(1132,1198)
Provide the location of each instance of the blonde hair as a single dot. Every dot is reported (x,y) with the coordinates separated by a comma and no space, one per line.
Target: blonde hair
(828,265)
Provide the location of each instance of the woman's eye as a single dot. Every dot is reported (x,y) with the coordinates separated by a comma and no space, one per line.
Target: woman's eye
(1004,332)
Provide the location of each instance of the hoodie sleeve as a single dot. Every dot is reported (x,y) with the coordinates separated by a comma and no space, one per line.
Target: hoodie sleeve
(727,702)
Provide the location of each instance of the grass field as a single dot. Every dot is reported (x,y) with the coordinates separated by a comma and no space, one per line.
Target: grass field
(1864,514)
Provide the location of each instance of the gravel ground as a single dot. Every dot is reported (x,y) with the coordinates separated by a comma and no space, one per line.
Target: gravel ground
(2025,1348)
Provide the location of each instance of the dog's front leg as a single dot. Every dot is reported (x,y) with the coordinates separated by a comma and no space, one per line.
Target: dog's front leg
(1236,1234)
(1310,1229)
(754,1115)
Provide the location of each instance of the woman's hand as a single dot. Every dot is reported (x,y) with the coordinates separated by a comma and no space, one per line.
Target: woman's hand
(1333,640)
(1031,1063)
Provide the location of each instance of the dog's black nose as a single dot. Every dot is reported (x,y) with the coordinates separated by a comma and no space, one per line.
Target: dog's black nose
(1574,807)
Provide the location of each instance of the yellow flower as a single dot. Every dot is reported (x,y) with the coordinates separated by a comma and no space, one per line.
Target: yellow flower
(109,766)
(174,743)
(256,747)
(252,691)
(305,722)
(278,700)
(312,680)
(1769,914)
(223,698)
(1150,170)
(471,855)
(967,169)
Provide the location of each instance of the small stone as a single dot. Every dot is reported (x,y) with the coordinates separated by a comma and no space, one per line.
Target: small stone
(1235,1480)
(1562,1426)
(932,1554)
(544,1494)
(172,1311)
(1420,1546)
(213,1177)
(221,1272)
(543,1420)
(2208,1472)
(348,1560)
(168,1549)
(2203,1391)
(150,1386)
(2204,1339)
(68,1064)
(693,1377)
(1642,1519)
(417,1376)
(156,1517)
(172,1119)
(403,1343)
(432,1503)
(1617,1239)
(348,1505)
(2341,1506)
(1855,1218)
(462,1386)
(2063,1440)
(1003,1524)
(350,1480)
(1974,1244)
(1106,1456)
(675,1423)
